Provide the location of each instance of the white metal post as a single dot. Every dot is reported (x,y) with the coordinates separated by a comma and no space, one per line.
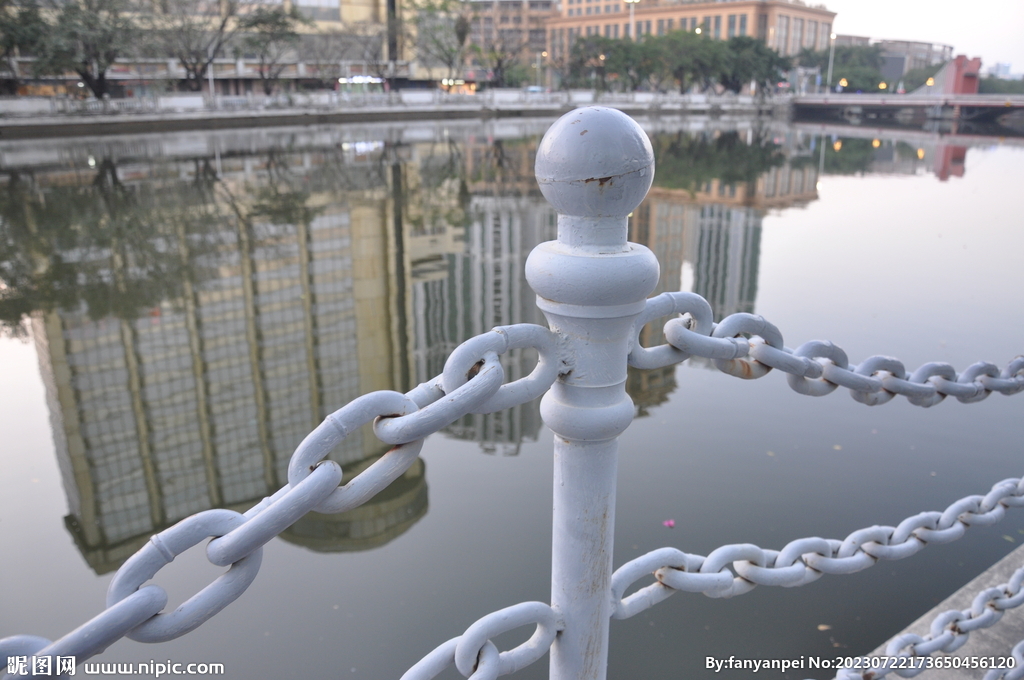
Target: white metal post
(595,165)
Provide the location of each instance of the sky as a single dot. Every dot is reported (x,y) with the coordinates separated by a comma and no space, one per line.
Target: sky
(990,29)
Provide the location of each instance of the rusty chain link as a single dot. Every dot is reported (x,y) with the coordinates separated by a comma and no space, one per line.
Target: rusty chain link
(471,383)
(948,632)
(805,559)
(815,368)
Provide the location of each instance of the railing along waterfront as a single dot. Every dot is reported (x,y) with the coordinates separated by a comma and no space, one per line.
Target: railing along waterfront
(595,165)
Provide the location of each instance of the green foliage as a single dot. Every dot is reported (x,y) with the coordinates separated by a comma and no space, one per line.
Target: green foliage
(853,157)
(993,85)
(680,58)
(123,265)
(695,59)
(688,162)
(917,77)
(21,30)
(861,66)
(749,59)
(86,36)
(270,33)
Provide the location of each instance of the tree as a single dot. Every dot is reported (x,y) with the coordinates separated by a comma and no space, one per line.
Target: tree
(695,59)
(323,52)
(442,27)
(21,30)
(271,33)
(861,66)
(500,53)
(585,63)
(86,37)
(749,59)
(993,85)
(370,46)
(689,161)
(194,32)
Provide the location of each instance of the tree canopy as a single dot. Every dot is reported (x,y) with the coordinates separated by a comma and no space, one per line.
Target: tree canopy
(682,59)
(86,37)
(861,66)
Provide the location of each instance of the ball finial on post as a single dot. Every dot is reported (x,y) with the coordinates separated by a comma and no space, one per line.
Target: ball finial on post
(595,162)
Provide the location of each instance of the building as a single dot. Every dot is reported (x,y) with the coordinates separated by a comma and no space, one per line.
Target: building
(900,56)
(504,32)
(786,26)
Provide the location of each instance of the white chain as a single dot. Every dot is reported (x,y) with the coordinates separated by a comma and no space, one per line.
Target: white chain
(803,560)
(472,381)
(948,632)
(815,368)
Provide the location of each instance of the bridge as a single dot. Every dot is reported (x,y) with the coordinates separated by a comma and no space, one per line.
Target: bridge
(1004,113)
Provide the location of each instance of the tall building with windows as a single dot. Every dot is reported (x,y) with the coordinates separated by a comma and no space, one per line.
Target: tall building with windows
(787,26)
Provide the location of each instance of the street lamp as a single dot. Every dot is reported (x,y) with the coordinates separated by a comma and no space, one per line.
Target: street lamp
(539,55)
(831,58)
(632,24)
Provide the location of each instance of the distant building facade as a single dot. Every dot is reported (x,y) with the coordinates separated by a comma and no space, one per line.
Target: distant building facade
(901,56)
(787,27)
(504,31)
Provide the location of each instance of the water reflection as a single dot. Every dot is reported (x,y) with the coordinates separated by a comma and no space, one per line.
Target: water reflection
(198,311)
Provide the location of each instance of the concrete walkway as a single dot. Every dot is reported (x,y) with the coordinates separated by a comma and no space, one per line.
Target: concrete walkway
(995,641)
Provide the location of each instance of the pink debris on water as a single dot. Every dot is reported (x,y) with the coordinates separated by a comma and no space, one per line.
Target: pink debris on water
(670,523)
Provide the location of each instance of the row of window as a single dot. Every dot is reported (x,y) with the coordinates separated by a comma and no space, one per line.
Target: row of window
(736,26)
(792,34)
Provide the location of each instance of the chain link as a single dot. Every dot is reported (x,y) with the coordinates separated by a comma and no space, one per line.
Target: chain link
(1014,673)
(806,559)
(476,657)
(947,633)
(471,383)
(815,368)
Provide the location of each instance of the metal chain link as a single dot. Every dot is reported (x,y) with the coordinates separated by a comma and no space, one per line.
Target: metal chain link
(477,658)
(815,368)
(1014,673)
(471,383)
(803,560)
(948,632)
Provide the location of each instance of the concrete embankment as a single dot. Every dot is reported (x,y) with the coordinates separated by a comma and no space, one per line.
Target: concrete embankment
(116,117)
(996,641)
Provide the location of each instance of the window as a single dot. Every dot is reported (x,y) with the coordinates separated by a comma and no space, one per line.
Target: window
(762,27)
(798,36)
(743,24)
(625,30)
(615,30)
(782,35)
(670,24)
(661,27)
(607,30)
(718,28)
(647,27)
(812,34)
(732,26)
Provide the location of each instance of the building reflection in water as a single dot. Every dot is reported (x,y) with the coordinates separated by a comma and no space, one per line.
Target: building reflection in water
(303,277)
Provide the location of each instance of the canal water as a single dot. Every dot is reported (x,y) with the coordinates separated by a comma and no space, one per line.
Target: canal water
(180,310)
